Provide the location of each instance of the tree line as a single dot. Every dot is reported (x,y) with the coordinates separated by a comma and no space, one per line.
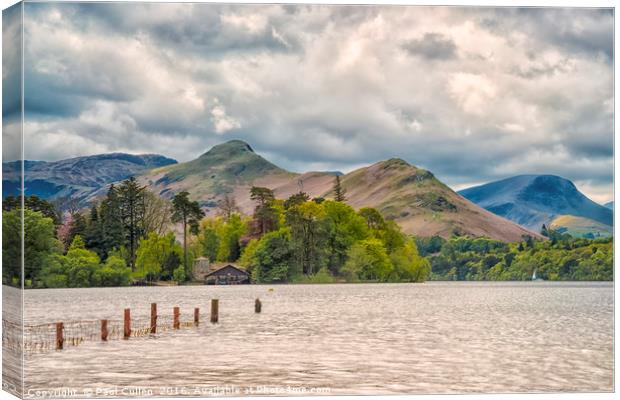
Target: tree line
(126,237)
(561,257)
(133,236)
(310,240)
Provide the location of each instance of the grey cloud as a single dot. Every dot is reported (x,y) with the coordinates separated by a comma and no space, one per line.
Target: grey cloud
(433,46)
(327,86)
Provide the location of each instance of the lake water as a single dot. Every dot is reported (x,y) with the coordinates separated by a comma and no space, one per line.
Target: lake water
(337,339)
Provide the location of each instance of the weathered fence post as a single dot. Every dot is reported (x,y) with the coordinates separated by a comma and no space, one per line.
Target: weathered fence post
(127,324)
(153,317)
(258,306)
(59,335)
(196,316)
(214,311)
(104,330)
(175,314)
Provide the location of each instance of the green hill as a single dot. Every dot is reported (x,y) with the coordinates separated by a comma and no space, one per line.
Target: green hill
(214,174)
(411,196)
(581,227)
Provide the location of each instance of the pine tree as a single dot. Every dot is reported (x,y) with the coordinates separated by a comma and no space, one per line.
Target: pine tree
(93,235)
(131,200)
(78,227)
(111,222)
(339,191)
(189,213)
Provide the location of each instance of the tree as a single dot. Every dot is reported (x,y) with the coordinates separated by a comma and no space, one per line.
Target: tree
(308,236)
(345,227)
(39,243)
(373,218)
(339,191)
(114,272)
(179,275)
(265,214)
(189,214)
(228,206)
(132,209)
(81,265)
(272,257)
(79,225)
(93,235)
(157,213)
(409,265)
(210,242)
(33,203)
(368,260)
(112,229)
(248,256)
(155,256)
(296,199)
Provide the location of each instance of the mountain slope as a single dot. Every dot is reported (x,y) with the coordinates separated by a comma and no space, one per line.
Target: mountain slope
(76,177)
(216,173)
(413,197)
(609,205)
(421,204)
(580,227)
(534,200)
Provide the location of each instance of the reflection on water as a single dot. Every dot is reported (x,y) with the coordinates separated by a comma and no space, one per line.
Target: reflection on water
(351,339)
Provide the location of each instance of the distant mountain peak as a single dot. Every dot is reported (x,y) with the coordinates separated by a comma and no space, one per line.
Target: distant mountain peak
(533,200)
(231,148)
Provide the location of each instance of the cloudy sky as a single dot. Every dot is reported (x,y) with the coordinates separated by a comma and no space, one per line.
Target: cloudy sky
(471,94)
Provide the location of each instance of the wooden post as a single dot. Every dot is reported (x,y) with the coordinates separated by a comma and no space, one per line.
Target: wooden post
(60,340)
(153,317)
(214,311)
(104,330)
(127,324)
(175,314)
(258,306)
(196,316)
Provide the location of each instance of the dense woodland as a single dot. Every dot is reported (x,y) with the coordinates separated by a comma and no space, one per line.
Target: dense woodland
(133,236)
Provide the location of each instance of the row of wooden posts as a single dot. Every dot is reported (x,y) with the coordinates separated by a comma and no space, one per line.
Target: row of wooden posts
(176,313)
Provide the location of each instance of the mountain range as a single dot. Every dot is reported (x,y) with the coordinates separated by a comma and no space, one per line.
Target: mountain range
(534,200)
(413,197)
(79,177)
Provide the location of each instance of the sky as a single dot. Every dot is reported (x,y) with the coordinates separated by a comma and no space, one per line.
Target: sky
(472,94)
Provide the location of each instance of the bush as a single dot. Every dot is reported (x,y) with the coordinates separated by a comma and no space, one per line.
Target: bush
(179,274)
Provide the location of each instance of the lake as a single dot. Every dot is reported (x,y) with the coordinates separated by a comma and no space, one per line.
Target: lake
(438,337)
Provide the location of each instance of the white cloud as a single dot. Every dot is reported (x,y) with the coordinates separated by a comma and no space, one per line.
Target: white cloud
(472,94)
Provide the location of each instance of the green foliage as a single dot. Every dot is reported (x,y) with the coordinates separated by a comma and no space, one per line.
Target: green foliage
(179,275)
(373,218)
(189,214)
(80,267)
(114,272)
(229,235)
(272,257)
(210,242)
(131,211)
(368,260)
(429,245)
(220,238)
(157,257)
(345,227)
(560,259)
(296,199)
(339,191)
(266,216)
(39,244)
(322,276)
(33,203)
(308,227)
(409,265)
